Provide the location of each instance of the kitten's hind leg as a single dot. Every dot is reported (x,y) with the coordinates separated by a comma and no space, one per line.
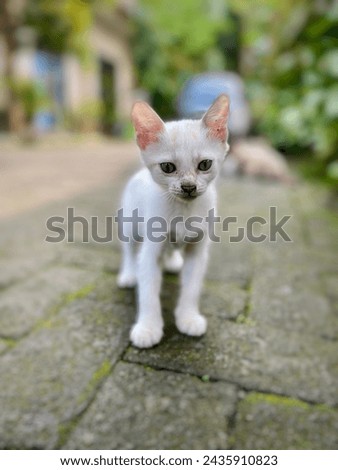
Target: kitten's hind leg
(127,274)
(173,261)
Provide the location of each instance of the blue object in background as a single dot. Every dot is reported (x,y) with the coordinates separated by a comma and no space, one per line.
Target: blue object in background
(201,90)
(48,69)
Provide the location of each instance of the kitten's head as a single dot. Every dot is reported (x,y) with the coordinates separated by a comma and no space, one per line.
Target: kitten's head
(183,156)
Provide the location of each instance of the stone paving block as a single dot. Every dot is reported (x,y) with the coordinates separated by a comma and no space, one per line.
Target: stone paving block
(331,290)
(331,286)
(27,232)
(319,222)
(17,268)
(230,263)
(224,299)
(247,194)
(52,375)
(89,256)
(246,198)
(3,346)
(256,357)
(273,422)
(24,304)
(236,261)
(297,263)
(141,408)
(308,196)
(323,230)
(288,296)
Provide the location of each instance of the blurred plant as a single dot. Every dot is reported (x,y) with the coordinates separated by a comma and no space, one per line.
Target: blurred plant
(290,63)
(86,117)
(332,170)
(30,95)
(174,39)
(128,132)
(61,26)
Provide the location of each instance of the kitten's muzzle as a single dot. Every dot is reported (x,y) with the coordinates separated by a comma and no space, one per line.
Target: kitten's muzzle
(189,190)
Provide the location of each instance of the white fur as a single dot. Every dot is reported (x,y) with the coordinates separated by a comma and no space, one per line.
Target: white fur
(155,193)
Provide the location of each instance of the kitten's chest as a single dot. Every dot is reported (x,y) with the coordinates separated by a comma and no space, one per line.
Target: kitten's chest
(177,234)
(186,225)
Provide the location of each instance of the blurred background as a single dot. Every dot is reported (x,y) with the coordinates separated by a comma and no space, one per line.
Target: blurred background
(78,65)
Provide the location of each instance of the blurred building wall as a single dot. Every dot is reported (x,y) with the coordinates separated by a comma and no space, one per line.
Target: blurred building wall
(82,84)
(114,49)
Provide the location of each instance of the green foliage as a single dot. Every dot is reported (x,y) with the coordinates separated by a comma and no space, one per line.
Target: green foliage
(63,25)
(30,95)
(60,25)
(332,170)
(86,117)
(174,39)
(317,170)
(292,80)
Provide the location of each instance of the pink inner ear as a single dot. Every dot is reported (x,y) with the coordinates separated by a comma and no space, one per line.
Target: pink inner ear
(147,123)
(148,135)
(217,130)
(216,118)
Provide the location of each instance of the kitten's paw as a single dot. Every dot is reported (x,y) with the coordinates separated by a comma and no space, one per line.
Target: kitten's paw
(173,263)
(126,280)
(143,337)
(192,325)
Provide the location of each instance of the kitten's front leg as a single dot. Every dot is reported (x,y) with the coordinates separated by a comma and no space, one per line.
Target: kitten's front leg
(148,329)
(187,315)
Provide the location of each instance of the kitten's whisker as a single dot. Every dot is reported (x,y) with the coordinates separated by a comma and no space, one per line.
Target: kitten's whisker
(169,196)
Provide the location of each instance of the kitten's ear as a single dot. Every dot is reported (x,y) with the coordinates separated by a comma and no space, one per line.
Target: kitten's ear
(216,118)
(148,125)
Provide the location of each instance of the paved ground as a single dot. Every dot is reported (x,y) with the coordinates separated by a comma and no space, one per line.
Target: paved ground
(264,376)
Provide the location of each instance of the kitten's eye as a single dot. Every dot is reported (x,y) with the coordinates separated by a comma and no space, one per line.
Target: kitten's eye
(168,167)
(205,165)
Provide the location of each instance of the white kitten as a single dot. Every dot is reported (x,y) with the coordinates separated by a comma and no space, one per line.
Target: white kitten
(182,159)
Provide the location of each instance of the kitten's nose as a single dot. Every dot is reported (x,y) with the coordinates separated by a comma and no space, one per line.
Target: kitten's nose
(188,188)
